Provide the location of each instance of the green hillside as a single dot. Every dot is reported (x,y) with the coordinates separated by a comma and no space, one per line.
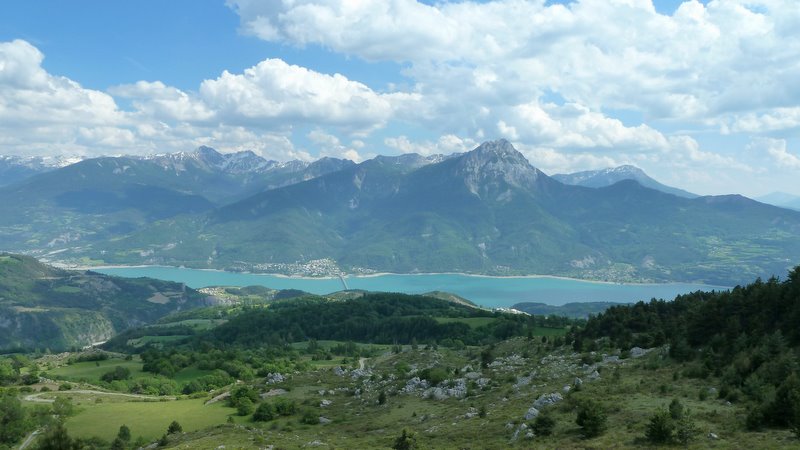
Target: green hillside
(42,307)
(707,370)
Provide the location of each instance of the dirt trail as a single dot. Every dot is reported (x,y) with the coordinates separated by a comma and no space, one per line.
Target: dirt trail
(29,439)
(36,397)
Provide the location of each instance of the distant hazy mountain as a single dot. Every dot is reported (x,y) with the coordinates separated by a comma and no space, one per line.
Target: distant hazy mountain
(104,198)
(18,168)
(607,177)
(781,199)
(237,175)
(485,211)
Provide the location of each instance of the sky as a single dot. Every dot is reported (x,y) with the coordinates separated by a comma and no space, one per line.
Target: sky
(704,96)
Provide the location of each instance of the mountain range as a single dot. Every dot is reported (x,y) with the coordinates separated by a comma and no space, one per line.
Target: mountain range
(17,168)
(607,177)
(781,199)
(485,211)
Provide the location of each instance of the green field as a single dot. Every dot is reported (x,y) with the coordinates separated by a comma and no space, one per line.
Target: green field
(189,373)
(91,371)
(147,419)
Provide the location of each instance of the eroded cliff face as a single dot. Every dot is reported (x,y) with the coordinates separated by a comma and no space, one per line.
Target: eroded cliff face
(46,308)
(54,329)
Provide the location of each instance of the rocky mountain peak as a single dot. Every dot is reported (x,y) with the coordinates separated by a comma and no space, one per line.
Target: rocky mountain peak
(209,156)
(245,162)
(494,163)
(626,168)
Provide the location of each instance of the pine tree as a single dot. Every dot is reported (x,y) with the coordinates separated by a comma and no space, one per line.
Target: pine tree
(591,418)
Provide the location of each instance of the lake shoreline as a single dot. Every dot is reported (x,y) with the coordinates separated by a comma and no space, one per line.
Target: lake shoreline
(483,290)
(383,274)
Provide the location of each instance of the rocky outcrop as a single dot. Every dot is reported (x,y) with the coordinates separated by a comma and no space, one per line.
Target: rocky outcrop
(448,389)
(547,399)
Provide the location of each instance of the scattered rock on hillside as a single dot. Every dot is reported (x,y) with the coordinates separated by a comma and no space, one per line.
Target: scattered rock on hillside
(220,397)
(471,412)
(273,393)
(458,389)
(532,413)
(275,378)
(638,352)
(360,373)
(508,362)
(520,429)
(547,399)
(523,381)
(482,382)
(413,385)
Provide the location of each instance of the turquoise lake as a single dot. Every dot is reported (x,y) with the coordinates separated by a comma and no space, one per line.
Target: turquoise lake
(485,291)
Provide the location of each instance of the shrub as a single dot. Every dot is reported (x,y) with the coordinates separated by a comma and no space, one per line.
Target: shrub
(118,373)
(675,409)
(660,428)
(62,407)
(685,429)
(240,393)
(245,407)
(755,419)
(406,441)
(591,418)
(285,407)
(124,433)
(265,412)
(434,376)
(543,425)
(671,426)
(174,427)
(310,417)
